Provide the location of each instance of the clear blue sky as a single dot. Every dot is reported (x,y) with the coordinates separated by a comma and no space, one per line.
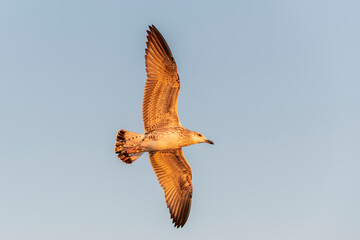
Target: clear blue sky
(275,84)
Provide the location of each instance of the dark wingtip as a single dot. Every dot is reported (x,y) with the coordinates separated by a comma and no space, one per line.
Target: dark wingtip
(151,27)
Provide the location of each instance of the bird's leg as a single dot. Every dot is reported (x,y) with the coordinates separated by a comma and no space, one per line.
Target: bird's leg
(133,150)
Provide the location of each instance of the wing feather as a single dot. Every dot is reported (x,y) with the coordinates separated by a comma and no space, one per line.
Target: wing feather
(174,175)
(162,86)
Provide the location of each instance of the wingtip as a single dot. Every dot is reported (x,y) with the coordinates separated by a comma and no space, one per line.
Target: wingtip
(178,225)
(151,27)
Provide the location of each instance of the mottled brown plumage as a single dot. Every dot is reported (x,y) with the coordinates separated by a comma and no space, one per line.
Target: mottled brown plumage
(162,86)
(160,111)
(174,175)
(164,135)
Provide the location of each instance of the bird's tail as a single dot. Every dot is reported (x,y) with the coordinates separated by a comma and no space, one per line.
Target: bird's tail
(125,146)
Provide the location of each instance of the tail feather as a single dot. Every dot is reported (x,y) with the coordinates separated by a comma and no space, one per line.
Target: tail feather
(126,140)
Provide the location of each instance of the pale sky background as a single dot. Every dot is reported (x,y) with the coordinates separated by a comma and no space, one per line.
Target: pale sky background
(275,84)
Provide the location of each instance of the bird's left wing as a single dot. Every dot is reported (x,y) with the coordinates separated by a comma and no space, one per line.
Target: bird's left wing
(162,86)
(174,175)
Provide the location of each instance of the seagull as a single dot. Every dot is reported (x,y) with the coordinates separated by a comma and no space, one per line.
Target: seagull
(164,136)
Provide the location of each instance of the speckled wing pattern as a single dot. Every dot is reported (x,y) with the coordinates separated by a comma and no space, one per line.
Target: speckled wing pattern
(174,175)
(162,85)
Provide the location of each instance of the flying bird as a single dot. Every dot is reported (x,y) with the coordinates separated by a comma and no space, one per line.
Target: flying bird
(164,136)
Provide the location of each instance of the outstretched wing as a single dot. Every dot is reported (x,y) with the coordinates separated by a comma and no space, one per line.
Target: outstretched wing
(162,85)
(174,175)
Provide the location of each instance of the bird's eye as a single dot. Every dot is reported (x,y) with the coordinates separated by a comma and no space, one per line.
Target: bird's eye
(199,135)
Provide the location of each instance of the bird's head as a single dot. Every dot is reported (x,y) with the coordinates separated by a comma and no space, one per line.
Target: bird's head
(199,138)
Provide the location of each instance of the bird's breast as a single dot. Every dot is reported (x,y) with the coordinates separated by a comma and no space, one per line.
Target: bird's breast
(163,140)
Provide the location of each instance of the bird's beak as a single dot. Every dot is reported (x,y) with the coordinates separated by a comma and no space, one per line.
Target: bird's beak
(209,141)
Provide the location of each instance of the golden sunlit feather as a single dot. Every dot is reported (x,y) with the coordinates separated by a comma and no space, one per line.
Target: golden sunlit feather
(170,168)
(164,136)
(162,86)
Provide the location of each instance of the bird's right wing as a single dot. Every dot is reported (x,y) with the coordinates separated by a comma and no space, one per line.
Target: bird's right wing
(174,175)
(162,86)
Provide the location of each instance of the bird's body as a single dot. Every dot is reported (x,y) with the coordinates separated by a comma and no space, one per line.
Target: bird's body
(164,135)
(167,139)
